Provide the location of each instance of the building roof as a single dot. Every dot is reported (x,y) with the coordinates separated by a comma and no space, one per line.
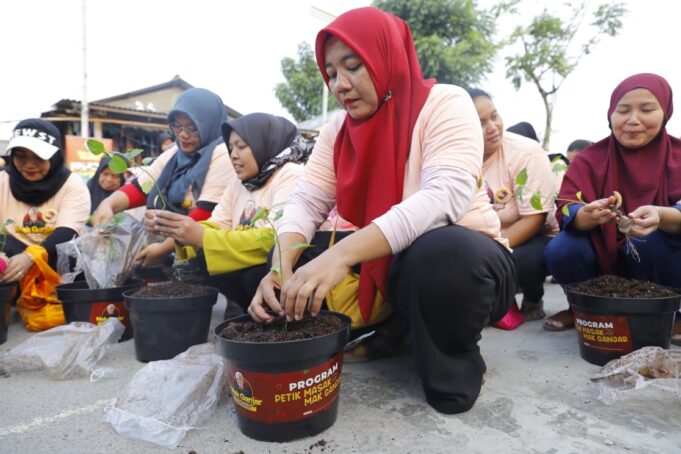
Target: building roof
(175,82)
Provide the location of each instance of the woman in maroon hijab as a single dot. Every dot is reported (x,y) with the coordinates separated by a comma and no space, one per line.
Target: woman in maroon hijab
(403,164)
(641,162)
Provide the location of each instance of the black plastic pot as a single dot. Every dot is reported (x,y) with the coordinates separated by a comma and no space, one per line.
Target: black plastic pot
(8,294)
(611,327)
(165,327)
(290,389)
(82,304)
(151,275)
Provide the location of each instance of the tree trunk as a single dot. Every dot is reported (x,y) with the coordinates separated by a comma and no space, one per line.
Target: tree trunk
(548,107)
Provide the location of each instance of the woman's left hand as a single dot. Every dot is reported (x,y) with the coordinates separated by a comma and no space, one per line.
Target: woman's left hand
(17,267)
(310,283)
(646,220)
(182,229)
(151,255)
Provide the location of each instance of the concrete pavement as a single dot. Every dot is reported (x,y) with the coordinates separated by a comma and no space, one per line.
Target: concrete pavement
(537,399)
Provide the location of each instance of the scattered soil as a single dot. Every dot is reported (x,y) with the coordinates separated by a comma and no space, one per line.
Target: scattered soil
(319,444)
(280,331)
(619,287)
(171,289)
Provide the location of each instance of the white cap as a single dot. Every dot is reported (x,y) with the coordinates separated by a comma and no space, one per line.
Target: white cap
(39,142)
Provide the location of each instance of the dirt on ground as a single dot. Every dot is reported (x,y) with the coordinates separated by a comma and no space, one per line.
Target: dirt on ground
(281,331)
(619,287)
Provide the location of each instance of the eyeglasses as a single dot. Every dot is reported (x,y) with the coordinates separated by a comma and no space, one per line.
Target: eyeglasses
(189,129)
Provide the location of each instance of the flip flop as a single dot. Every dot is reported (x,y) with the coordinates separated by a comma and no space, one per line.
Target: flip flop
(564,318)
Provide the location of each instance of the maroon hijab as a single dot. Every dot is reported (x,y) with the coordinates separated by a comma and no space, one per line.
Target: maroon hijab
(644,176)
(370,155)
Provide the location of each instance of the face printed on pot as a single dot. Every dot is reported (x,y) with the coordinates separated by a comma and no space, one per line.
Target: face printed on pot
(186,133)
(637,119)
(29,165)
(491,123)
(349,80)
(108,180)
(243,160)
(239,379)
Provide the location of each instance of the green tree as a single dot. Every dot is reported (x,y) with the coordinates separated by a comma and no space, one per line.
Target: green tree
(301,94)
(549,51)
(453,38)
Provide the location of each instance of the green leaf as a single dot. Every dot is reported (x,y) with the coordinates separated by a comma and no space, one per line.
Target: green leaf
(265,238)
(118,163)
(260,213)
(521,178)
(579,197)
(301,246)
(535,201)
(278,215)
(95,146)
(146,187)
(519,193)
(559,167)
(130,154)
(565,210)
(276,269)
(147,161)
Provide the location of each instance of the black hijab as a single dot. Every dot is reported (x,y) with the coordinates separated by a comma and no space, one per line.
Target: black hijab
(98,193)
(35,193)
(525,129)
(273,140)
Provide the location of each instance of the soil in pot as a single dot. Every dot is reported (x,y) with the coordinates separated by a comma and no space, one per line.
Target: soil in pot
(284,377)
(168,318)
(615,316)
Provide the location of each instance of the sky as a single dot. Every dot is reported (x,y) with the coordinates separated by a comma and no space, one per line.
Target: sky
(234,48)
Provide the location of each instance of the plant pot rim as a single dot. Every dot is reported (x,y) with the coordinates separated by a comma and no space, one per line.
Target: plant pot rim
(213,290)
(570,288)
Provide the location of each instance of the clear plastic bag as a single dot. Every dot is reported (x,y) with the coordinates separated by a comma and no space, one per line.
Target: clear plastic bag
(166,399)
(106,254)
(650,373)
(66,351)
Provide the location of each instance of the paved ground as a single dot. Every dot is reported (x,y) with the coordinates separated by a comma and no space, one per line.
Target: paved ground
(537,399)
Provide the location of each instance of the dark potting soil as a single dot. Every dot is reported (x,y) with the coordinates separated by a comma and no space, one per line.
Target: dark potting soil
(280,331)
(171,289)
(619,287)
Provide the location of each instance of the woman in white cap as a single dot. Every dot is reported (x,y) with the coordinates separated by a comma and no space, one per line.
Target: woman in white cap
(42,204)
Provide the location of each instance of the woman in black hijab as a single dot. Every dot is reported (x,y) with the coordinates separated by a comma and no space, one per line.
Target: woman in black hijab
(103,183)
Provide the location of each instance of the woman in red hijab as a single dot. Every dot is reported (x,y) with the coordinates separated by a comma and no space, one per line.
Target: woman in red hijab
(403,164)
(641,162)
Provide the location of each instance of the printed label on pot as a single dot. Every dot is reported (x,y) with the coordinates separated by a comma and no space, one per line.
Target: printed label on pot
(604,332)
(100,312)
(272,398)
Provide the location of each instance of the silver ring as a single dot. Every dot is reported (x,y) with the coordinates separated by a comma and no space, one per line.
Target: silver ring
(21,273)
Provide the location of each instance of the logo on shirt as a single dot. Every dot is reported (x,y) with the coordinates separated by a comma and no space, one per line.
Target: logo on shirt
(37,224)
(499,198)
(248,214)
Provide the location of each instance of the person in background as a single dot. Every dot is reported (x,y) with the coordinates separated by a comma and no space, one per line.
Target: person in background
(576,146)
(524,129)
(42,204)
(192,176)
(165,140)
(527,227)
(641,162)
(268,154)
(402,163)
(103,183)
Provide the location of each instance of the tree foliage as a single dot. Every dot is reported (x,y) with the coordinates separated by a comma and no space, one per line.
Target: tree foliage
(453,38)
(301,94)
(548,52)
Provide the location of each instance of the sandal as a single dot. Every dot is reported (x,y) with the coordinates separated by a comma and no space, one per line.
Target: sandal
(560,321)
(676,331)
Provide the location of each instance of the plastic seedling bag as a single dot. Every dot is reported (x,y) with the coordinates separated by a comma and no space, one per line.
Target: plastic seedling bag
(66,351)
(166,399)
(649,373)
(106,253)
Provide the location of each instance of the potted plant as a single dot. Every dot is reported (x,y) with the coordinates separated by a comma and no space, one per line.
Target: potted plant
(8,292)
(284,377)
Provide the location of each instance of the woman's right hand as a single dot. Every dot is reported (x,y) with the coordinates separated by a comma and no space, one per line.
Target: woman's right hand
(150,221)
(596,213)
(103,214)
(265,299)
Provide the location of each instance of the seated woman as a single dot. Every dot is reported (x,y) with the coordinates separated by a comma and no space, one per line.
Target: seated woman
(527,227)
(267,154)
(103,183)
(42,204)
(403,164)
(192,176)
(643,163)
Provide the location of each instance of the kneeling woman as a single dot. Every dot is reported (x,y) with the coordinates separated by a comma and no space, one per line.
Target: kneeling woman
(403,164)
(267,154)
(42,204)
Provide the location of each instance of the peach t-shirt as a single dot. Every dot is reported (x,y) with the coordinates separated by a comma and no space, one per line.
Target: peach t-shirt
(70,207)
(238,205)
(500,172)
(446,134)
(220,175)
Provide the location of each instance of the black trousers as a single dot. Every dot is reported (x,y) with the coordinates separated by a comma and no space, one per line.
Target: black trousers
(531,266)
(448,285)
(239,286)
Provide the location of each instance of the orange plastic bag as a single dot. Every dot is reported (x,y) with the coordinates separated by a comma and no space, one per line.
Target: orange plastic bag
(38,305)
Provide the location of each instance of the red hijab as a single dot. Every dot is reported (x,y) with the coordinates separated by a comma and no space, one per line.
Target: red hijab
(370,155)
(644,176)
